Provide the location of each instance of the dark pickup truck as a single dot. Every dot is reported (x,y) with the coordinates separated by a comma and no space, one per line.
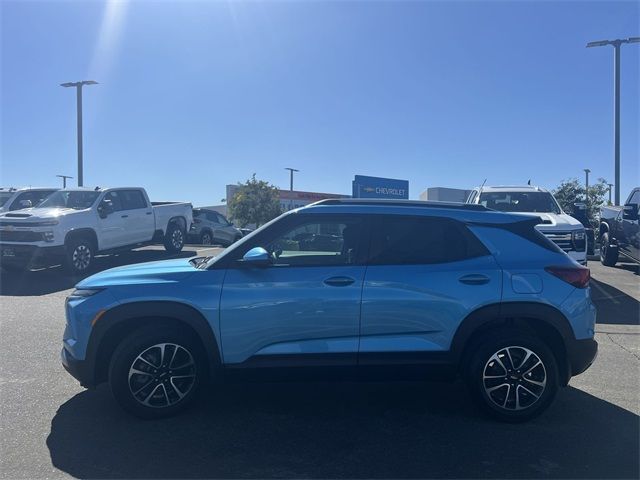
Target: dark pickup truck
(619,231)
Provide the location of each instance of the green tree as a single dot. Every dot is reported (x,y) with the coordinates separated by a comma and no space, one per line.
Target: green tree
(254,203)
(571,191)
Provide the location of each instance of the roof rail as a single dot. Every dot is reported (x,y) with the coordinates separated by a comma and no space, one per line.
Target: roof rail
(402,203)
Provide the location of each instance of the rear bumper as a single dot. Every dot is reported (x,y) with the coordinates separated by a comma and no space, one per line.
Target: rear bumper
(582,354)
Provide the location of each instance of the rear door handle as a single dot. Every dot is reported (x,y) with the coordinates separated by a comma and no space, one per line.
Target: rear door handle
(149,213)
(124,216)
(474,279)
(339,281)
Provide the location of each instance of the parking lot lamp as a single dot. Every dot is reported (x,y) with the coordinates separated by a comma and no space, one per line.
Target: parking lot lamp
(616,100)
(78,86)
(64,180)
(291,170)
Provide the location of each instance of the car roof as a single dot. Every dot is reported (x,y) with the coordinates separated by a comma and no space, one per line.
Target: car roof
(26,189)
(512,188)
(465,212)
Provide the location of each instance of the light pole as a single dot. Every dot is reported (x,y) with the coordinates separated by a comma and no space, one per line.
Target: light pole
(586,183)
(291,170)
(78,86)
(64,180)
(616,101)
(610,187)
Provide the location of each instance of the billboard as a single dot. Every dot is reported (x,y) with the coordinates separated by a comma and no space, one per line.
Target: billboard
(376,187)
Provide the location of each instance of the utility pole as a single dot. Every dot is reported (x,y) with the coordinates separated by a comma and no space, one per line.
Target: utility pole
(78,86)
(64,180)
(616,101)
(586,188)
(291,170)
(610,187)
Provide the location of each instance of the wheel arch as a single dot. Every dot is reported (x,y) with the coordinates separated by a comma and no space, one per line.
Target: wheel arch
(545,321)
(604,228)
(180,221)
(82,232)
(119,321)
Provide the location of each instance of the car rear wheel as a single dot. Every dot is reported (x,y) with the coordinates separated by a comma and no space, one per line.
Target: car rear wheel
(206,238)
(174,238)
(608,253)
(512,376)
(156,372)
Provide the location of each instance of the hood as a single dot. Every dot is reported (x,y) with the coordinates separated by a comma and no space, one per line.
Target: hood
(33,214)
(553,221)
(164,271)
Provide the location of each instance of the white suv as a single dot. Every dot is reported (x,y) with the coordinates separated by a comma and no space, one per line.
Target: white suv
(564,230)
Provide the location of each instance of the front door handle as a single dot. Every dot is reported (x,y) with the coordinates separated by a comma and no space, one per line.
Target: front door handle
(474,279)
(339,281)
(124,216)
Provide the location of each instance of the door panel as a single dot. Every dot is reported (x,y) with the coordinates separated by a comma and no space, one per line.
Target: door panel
(138,217)
(306,304)
(289,310)
(417,308)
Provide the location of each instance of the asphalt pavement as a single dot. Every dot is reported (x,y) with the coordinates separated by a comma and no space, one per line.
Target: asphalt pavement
(50,427)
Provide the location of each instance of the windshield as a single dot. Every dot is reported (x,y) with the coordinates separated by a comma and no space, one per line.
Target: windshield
(70,199)
(539,202)
(4,196)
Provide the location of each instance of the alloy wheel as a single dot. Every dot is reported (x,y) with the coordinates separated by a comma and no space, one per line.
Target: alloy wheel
(162,375)
(81,257)
(177,238)
(206,239)
(514,378)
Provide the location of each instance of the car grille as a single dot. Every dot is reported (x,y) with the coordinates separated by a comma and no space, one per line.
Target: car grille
(18,236)
(562,239)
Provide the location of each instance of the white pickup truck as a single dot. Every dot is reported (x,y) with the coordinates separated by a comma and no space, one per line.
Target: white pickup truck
(75,224)
(564,230)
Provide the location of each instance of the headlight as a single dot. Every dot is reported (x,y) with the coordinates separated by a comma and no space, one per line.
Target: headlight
(80,293)
(579,235)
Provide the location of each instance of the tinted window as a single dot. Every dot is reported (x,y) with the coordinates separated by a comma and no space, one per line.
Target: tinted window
(212,217)
(132,199)
(320,242)
(4,196)
(222,220)
(422,240)
(635,198)
(541,202)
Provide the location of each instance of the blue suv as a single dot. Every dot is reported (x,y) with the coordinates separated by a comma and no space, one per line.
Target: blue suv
(346,287)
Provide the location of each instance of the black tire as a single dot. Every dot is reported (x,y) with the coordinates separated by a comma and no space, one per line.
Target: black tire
(80,255)
(520,399)
(206,238)
(174,238)
(164,392)
(608,253)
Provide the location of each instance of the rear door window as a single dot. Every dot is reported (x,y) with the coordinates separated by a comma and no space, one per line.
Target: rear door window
(132,199)
(404,240)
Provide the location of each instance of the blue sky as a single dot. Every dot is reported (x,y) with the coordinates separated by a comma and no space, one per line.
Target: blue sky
(195,95)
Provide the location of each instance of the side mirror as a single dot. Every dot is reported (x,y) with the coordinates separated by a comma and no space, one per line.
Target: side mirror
(257,256)
(26,204)
(105,208)
(630,211)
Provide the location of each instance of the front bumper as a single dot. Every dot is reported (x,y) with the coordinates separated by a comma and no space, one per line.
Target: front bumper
(78,369)
(15,253)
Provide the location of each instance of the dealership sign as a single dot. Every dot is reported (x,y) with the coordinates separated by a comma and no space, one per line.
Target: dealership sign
(376,187)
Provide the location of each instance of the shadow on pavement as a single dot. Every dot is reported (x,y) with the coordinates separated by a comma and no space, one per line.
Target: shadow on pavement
(614,306)
(55,279)
(344,430)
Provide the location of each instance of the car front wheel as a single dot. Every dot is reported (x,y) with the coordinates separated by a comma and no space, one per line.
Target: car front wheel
(174,239)
(156,372)
(80,255)
(512,376)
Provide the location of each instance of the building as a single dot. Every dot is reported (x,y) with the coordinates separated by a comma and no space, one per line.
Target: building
(443,194)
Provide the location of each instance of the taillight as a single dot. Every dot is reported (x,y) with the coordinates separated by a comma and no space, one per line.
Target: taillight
(576,276)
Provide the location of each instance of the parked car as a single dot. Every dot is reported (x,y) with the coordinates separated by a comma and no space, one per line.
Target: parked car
(619,231)
(210,227)
(75,224)
(564,230)
(403,287)
(18,198)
